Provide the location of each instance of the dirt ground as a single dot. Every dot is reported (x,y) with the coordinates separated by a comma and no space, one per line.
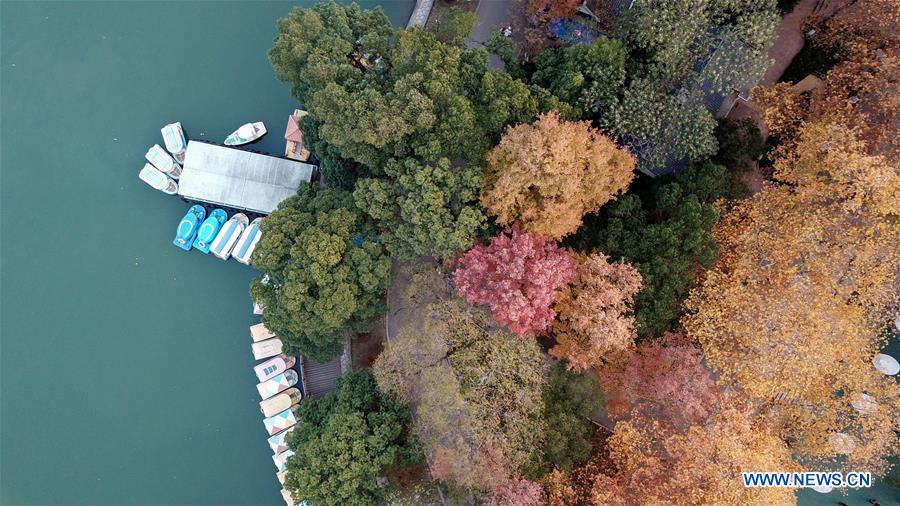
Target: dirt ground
(367,346)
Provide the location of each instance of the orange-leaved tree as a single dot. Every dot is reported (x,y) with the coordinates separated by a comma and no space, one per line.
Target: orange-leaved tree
(595,323)
(655,464)
(862,92)
(550,173)
(664,378)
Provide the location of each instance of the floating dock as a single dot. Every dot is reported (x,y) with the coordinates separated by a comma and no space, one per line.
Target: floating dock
(234,178)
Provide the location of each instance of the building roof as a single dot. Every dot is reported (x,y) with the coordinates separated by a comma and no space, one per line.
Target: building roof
(292,131)
(239,179)
(318,378)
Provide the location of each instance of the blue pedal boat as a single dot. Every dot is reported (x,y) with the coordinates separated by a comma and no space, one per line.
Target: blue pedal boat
(209,229)
(187,227)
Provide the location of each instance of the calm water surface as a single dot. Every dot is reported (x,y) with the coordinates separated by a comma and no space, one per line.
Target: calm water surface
(124,362)
(126,370)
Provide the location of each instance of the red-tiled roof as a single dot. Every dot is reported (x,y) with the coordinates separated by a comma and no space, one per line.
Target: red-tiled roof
(292,132)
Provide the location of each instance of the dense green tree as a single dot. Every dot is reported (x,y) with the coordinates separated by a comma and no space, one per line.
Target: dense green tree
(570,399)
(659,127)
(337,171)
(505,49)
(313,46)
(344,441)
(502,100)
(666,234)
(590,77)
(324,271)
(725,39)
(421,94)
(424,208)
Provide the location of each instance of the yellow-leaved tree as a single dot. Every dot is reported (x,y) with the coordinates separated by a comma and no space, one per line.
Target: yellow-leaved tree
(793,312)
(550,173)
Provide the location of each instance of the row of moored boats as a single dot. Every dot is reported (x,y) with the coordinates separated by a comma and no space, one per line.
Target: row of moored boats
(217,234)
(164,168)
(278,390)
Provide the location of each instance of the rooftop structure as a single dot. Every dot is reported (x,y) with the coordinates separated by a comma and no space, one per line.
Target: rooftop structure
(319,379)
(238,179)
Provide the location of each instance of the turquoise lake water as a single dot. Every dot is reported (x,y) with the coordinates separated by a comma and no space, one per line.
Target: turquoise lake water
(126,371)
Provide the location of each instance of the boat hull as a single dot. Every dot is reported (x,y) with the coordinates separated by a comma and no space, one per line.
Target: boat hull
(228,236)
(173,137)
(207,232)
(158,180)
(187,227)
(160,159)
(237,138)
(243,250)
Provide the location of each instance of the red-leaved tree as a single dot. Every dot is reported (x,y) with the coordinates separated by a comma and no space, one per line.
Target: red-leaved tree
(517,276)
(664,378)
(516,493)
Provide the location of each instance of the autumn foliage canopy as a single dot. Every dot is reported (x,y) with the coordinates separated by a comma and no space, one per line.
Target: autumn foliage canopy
(595,318)
(517,276)
(550,173)
(664,378)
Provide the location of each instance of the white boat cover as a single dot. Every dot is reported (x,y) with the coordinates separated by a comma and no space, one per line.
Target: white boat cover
(259,332)
(173,138)
(163,161)
(278,442)
(157,179)
(278,384)
(280,421)
(227,237)
(243,250)
(266,349)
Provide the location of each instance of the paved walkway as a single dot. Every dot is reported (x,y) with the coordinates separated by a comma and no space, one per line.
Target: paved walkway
(491,14)
(789,37)
(420,13)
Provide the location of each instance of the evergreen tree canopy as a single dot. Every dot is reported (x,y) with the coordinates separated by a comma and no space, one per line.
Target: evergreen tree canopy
(344,441)
(324,271)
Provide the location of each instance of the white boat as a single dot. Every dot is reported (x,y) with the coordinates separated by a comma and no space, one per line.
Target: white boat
(281,460)
(266,349)
(243,250)
(247,133)
(155,178)
(278,384)
(162,161)
(278,442)
(173,136)
(228,236)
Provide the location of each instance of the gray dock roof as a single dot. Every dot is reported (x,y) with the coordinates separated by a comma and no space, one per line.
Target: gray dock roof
(239,179)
